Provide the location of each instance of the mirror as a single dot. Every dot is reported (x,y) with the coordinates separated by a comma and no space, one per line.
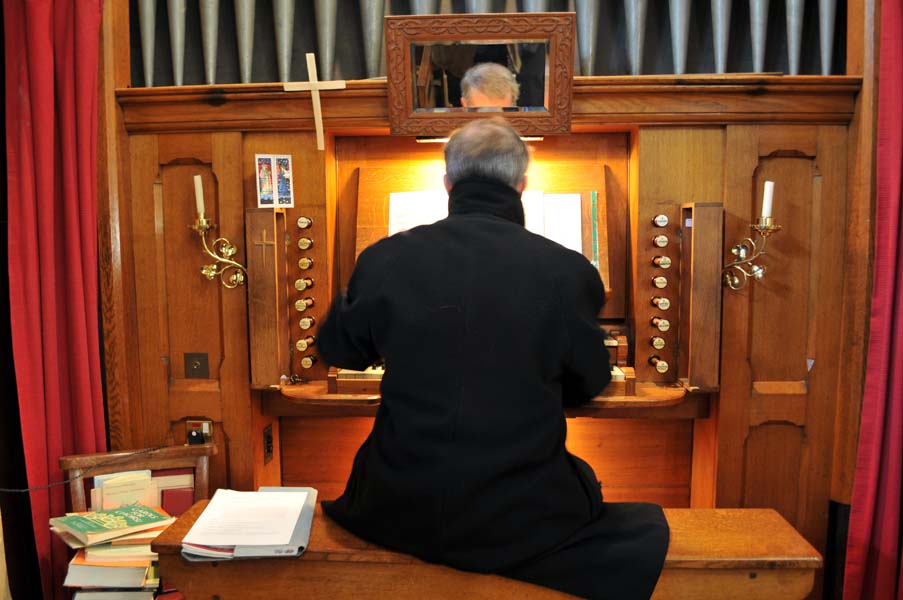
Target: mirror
(444,70)
(441,68)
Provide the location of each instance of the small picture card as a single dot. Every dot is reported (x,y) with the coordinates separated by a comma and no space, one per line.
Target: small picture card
(274,181)
(265,186)
(285,193)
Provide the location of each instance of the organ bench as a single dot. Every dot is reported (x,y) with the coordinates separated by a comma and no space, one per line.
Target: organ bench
(742,554)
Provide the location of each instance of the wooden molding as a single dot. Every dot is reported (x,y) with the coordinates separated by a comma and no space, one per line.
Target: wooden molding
(598,102)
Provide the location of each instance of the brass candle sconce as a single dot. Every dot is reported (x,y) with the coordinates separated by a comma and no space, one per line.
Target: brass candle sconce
(737,274)
(231,273)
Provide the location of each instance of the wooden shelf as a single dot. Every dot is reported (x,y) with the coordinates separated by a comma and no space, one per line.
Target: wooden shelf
(651,401)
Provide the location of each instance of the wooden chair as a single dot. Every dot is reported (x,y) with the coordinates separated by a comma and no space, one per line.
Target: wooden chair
(80,466)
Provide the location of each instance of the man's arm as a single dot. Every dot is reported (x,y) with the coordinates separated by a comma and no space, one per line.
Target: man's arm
(345,338)
(586,364)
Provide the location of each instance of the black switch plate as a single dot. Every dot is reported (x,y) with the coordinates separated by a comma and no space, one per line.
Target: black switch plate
(197,365)
(267,443)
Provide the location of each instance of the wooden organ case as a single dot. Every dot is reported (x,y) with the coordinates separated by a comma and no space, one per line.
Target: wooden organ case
(757,406)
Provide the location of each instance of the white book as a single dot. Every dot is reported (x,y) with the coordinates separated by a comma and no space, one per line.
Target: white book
(301,534)
(270,522)
(142,473)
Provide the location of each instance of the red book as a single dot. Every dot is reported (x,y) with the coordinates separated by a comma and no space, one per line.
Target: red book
(177,500)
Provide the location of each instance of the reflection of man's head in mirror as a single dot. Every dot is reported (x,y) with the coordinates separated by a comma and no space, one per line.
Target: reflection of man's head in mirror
(489,85)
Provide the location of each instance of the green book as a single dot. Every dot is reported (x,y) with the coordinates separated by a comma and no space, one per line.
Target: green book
(102,525)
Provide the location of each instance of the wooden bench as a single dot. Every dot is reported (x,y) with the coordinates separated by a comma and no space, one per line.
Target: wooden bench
(714,554)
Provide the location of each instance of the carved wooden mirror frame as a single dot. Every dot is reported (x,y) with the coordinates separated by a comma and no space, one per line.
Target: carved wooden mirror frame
(555,29)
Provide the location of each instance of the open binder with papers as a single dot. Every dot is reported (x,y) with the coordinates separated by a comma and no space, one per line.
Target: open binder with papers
(273,521)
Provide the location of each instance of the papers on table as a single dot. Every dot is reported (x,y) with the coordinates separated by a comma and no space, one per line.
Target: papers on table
(247,518)
(274,521)
(554,216)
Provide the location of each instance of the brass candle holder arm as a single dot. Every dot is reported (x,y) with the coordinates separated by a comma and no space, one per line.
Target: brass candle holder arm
(231,273)
(737,274)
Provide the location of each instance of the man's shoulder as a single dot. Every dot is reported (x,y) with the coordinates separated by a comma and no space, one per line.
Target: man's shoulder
(558,254)
(390,249)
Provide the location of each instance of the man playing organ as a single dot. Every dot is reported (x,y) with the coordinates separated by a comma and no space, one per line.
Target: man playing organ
(487,332)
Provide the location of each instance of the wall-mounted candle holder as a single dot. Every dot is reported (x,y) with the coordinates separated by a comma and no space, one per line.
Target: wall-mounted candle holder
(735,275)
(230,273)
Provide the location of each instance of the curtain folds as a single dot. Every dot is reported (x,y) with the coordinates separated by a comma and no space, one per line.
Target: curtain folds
(51,122)
(873,563)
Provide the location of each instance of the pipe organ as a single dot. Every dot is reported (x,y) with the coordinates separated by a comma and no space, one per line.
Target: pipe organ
(742,397)
(177,42)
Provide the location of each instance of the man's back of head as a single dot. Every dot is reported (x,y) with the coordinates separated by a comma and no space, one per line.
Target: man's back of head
(489,85)
(489,149)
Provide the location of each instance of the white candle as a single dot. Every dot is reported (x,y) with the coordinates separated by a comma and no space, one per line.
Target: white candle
(767,198)
(199,195)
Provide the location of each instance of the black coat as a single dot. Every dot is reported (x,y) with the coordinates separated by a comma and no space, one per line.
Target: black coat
(487,331)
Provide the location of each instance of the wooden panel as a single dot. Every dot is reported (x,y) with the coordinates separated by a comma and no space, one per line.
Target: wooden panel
(265,472)
(634,453)
(672,497)
(115,261)
(828,227)
(195,398)
(777,407)
(862,53)
(700,294)
(790,141)
(665,184)
(781,301)
(701,99)
(772,465)
(187,148)
(778,401)
(634,459)
(234,373)
(705,452)
(740,160)
(317,451)
(150,331)
(265,238)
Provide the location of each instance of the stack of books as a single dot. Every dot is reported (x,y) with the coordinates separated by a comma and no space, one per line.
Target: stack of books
(113,557)
(174,491)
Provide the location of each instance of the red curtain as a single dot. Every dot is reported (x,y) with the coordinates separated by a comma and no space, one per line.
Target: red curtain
(873,564)
(51,124)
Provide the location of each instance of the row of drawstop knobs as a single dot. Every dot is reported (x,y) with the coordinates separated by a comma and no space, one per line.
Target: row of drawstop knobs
(302,305)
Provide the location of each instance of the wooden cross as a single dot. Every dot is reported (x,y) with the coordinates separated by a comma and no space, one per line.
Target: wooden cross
(263,243)
(314,86)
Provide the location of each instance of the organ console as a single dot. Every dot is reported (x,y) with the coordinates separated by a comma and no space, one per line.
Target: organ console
(659,171)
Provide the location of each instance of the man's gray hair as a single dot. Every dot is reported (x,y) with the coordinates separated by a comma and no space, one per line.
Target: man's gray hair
(487,148)
(493,79)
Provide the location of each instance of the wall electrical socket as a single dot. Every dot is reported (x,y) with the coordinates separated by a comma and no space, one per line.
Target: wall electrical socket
(199,431)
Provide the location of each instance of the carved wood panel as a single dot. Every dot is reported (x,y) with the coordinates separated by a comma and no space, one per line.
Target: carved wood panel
(781,348)
(180,312)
